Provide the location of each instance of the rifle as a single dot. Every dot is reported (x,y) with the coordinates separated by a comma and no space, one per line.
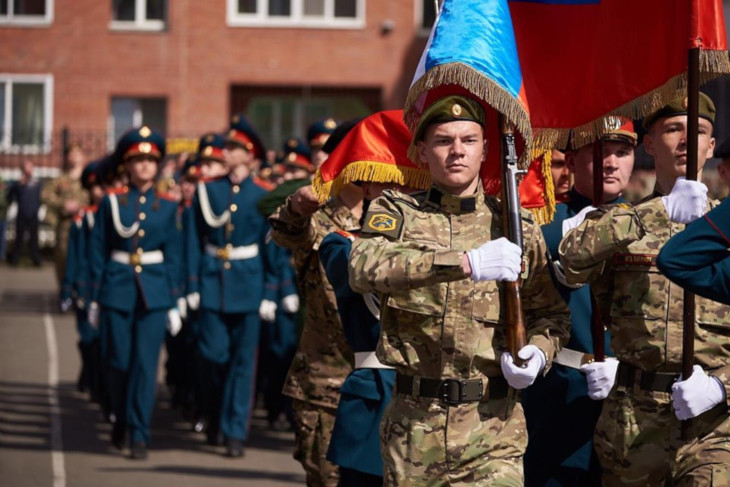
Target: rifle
(597,333)
(512,227)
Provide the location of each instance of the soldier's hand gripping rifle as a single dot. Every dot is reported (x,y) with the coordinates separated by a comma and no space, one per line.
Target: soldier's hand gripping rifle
(512,227)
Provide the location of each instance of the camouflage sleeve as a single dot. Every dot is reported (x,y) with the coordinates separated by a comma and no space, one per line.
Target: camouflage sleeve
(584,250)
(723,374)
(547,317)
(383,262)
(291,230)
(51,198)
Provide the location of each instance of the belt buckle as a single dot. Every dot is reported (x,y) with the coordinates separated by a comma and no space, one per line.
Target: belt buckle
(135,259)
(453,391)
(224,253)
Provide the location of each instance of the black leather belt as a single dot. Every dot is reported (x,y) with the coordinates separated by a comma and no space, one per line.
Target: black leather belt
(648,381)
(452,391)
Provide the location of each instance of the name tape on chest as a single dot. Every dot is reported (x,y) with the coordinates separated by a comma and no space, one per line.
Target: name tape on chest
(646,260)
(383,223)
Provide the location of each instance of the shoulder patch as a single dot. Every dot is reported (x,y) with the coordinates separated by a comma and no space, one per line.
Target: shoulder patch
(383,223)
(635,259)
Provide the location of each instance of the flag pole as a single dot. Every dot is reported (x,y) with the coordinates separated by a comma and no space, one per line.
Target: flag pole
(597,333)
(693,113)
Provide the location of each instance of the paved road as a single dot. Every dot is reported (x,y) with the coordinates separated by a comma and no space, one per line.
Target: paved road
(50,435)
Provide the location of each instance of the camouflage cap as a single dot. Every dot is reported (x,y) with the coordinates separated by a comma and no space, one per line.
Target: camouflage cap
(450,109)
(678,106)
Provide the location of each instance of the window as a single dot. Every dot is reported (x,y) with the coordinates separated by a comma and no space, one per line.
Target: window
(25,113)
(299,13)
(138,14)
(426,15)
(26,12)
(127,113)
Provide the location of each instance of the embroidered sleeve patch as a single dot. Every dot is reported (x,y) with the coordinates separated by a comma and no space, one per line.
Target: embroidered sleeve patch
(635,259)
(383,223)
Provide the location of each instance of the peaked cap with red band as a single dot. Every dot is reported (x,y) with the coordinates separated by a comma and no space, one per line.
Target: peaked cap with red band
(241,132)
(375,150)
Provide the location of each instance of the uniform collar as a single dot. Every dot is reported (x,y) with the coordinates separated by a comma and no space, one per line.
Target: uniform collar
(456,205)
(579,201)
(135,190)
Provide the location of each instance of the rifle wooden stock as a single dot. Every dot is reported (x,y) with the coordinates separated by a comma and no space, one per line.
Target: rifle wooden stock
(512,227)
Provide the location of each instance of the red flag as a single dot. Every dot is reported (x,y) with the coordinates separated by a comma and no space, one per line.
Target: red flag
(584,59)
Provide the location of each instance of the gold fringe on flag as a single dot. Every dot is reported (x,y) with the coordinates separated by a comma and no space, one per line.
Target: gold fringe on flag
(370,171)
(477,84)
(545,214)
(712,65)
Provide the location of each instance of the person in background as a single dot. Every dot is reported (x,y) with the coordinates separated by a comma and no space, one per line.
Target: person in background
(3,219)
(562,181)
(317,135)
(26,193)
(64,196)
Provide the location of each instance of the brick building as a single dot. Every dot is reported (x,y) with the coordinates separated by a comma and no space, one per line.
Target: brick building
(97,68)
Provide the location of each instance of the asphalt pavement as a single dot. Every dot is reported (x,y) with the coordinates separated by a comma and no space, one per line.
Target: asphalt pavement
(52,435)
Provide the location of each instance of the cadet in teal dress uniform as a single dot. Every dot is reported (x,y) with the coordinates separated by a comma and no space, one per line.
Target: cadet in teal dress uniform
(560,415)
(75,283)
(135,253)
(226,281)
(697,258)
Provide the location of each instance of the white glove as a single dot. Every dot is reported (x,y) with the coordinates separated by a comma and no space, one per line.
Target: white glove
(521,377)
(600,377)
(290,303)
(193,300)
(65,305)
(174,322)
(496,260)
(686,202)
(182,306)
(699,393)
(93,315)
(575,221)
(267,310)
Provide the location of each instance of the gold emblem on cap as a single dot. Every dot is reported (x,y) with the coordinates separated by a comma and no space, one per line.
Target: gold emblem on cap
(232,132)
(145,132)
(685,103)
(456,110)
(291,157)
(292,143)
(145,147)
(330,124)
(207,151)
(613,123)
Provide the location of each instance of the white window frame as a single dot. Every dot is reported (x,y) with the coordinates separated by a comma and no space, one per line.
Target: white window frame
(6,146)
(140,22)
(297,18)
(418,14)
(11,19)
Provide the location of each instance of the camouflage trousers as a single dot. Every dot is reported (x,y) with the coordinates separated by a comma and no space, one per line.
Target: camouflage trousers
(314,426)
(638,442)
(427,443)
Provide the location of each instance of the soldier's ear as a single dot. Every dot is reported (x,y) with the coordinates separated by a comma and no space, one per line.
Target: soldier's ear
(649,144)
(421,146)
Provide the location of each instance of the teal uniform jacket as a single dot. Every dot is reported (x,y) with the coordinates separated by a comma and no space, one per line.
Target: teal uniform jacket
(697,259)
(560,415)
(236,285)
(364,395)
(114,283)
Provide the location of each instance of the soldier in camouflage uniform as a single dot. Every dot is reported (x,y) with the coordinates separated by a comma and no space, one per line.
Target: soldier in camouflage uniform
(323,359)
(434,257)
(64,197)
(615,249)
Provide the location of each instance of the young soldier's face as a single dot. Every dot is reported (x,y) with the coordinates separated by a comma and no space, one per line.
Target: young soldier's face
(618,162)
(235,156)
(142,168)
(559,172)
(454,152)
(667,142)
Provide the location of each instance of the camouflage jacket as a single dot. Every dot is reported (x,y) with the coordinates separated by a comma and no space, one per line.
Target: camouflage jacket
(615,249)
(323,357)
(437,322)
(56,192)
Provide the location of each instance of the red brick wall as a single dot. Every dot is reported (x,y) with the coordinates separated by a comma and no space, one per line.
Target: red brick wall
(196,61)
